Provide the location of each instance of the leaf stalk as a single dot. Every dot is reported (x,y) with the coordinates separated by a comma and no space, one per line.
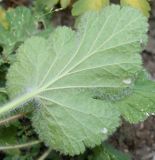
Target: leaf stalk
(17,102)
(18,146)
(11,119)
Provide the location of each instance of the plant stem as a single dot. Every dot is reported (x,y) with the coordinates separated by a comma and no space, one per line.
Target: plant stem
(45,154)
(9,147)
(11,119)
(17,102)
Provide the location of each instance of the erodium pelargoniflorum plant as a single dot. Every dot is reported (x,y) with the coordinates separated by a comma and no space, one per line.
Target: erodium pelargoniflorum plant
(77,84)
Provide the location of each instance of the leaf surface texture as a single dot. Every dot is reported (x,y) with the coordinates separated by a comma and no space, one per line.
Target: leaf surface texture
(63,75)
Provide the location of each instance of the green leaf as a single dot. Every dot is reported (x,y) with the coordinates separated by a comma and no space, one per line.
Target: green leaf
(65,3)
(74,122)
(107,152)
(140,103)
(21,26)
(3,20)
(3,98)
(47,5)
(142,5)
(8,135)
(63,72)
(5,137)
(45,33)
(82,6)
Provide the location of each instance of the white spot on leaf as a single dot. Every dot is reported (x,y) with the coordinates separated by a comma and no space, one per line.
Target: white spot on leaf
(127,81)
(104,130)
(147,114)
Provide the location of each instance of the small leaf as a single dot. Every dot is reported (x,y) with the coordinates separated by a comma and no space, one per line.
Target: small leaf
(8,136)
(21,26)
(70,67)
(107,152)
(47,5)
(142,5)
(82,6)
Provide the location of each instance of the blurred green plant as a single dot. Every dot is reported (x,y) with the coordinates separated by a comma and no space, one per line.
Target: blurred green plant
(107,152)
(142,5)
(81,6)
(17,25)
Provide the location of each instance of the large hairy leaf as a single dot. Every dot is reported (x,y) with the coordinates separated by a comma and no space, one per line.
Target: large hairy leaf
(64,73)
(82,6)
(142,5)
